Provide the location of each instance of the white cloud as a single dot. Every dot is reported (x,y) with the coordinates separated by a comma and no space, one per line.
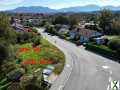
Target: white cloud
(10,2)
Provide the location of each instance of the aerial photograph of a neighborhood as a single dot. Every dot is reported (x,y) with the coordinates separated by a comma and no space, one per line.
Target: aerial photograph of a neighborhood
(59,44)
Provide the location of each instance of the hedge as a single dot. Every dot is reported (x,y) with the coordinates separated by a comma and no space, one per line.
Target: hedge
(103,50)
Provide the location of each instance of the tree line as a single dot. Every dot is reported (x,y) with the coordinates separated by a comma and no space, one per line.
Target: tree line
(105,21)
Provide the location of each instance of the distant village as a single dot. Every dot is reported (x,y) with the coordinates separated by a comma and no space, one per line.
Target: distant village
(80,34)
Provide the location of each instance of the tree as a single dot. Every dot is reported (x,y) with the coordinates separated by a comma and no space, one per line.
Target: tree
(4,51)
(36,41)
(114,44)
(50,29)
(34,30)
(116,27)
(73,21)
(61,20)
(12,20)
(23,37)
(6,30)
(7,38)
(105,20)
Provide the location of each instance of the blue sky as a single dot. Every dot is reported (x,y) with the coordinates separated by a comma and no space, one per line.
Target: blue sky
(54,4)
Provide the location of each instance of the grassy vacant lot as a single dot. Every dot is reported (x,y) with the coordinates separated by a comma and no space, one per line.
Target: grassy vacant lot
(31,73)
(48,51)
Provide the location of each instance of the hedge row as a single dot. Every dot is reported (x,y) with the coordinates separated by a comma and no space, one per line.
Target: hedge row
(103,50)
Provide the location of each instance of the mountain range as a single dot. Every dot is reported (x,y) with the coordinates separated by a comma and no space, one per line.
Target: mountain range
(77,9)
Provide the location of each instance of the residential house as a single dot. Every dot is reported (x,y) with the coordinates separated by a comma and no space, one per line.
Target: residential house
(63,30)
(74,33)
(18,27)
(86,34)
(17,21)
(35,22)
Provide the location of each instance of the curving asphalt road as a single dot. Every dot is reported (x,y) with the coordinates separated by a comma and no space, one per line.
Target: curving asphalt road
(84,70)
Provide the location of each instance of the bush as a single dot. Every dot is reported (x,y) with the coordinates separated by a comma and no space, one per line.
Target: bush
(50,29)
(34,30)
(6,30)
(7,67)
(24,37)
(32,87)
(36,41)
(14,75)
(116,27)
(15,86)
(4,50)
(114,44)
(61,20)
(102,50)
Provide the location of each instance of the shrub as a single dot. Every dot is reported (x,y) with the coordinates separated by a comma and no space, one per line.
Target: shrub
(34,30)
(36,41)
(116,27)
(114,44)
(14,75)
(32,87)
(24,37)
(6,30)
(7,67)
(50,29)
(4,50)
(15,86)
(102,50)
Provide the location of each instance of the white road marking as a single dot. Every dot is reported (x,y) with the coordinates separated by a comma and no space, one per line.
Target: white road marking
(110,79)
(60,87)
(104,61)
(108,88)
(68,65)
(105,67)
(110,72)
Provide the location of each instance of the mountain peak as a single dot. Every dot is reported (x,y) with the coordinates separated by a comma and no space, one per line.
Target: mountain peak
(33,9)
(76,9)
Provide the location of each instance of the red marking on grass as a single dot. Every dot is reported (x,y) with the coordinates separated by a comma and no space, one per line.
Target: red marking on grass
(23,50)
(37,50)
(33,61)
(29,61)
(45,61)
